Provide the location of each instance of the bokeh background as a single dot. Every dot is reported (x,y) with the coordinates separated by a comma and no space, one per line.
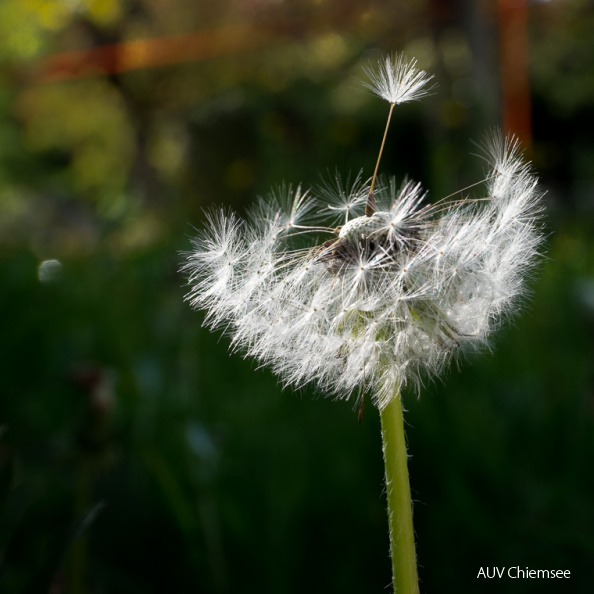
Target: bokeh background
(136,455)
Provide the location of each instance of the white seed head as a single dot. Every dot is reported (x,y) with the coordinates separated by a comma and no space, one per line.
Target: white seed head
(385,303)
(390,297)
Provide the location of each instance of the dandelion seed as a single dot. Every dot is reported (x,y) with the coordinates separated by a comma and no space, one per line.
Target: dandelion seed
(397,80)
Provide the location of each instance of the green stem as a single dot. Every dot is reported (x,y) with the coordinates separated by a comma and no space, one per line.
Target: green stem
(402,538)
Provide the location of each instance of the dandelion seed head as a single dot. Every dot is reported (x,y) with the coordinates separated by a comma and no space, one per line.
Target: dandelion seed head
(384,300)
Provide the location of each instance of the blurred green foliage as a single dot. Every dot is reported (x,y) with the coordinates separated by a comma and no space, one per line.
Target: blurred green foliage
(211,478)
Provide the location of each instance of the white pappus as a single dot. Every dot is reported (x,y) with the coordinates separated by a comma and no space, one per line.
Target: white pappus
(387,298)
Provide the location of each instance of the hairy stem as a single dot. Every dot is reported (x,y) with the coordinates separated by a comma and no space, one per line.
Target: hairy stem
(370,205)
(402,539)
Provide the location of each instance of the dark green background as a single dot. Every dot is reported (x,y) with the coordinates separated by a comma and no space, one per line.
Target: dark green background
(212,478)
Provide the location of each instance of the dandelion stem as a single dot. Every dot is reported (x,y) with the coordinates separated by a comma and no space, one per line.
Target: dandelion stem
(370,205)
(402,540)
